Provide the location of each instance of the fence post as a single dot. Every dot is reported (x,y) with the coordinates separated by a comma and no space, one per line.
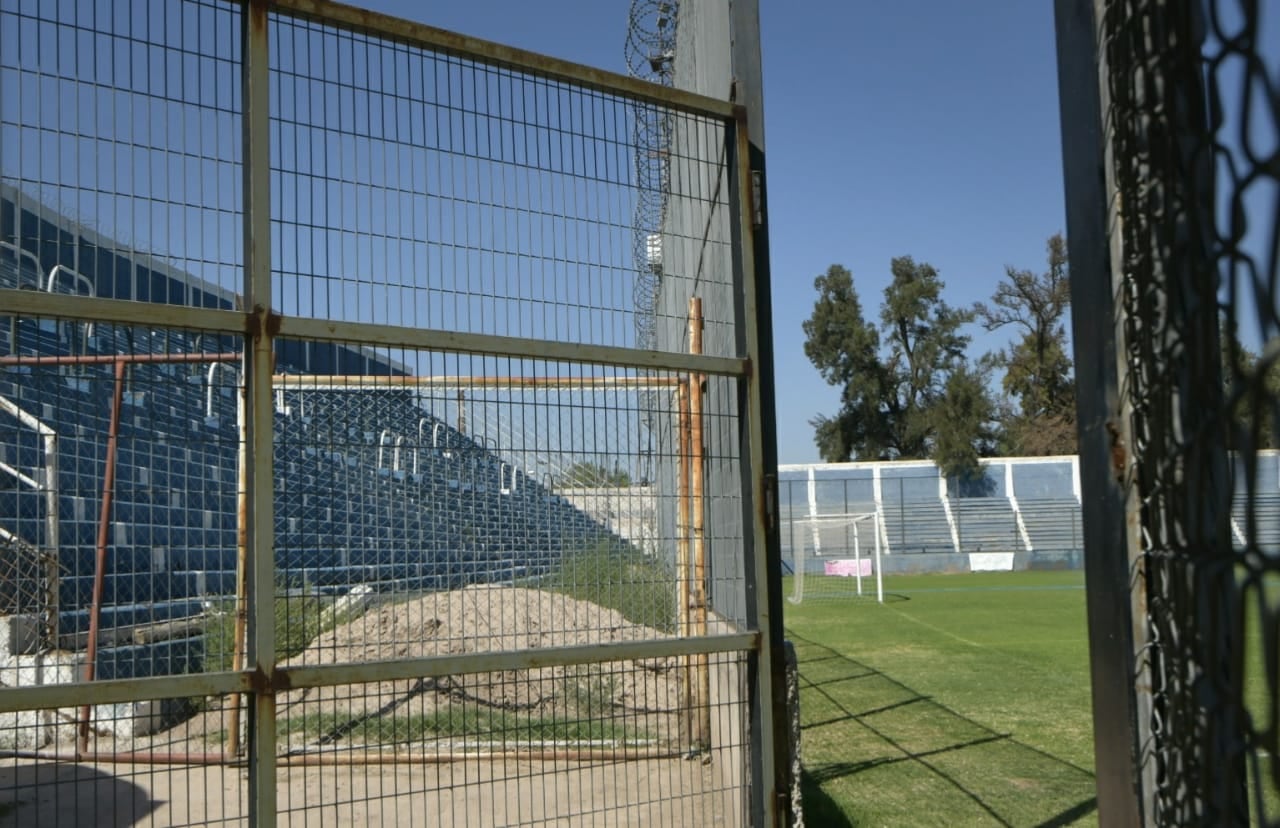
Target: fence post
(259,361)
(698,511)
(1112,551)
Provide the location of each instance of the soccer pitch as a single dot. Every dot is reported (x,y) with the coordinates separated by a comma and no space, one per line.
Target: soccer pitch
(962,700)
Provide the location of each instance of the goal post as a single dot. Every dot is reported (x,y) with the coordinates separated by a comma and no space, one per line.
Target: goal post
(831,555)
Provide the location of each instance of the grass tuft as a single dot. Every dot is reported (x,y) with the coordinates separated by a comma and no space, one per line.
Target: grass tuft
(639,586)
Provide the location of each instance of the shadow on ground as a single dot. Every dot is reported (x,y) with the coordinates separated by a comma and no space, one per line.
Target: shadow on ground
(859,723)
(67,794)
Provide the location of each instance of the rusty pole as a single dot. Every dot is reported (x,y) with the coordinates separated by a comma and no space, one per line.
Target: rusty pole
(697,507)
(100,561)
(684,577)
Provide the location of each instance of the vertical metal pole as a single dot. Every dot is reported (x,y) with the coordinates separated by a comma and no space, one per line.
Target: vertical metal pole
(857,556)
(242,558)
(684,576)
(1113,580)
(258,357)
(902,513)
(813,513)
(697,525)
(100,559)
(53,572)
(751,225)
(879,573)
(770,765)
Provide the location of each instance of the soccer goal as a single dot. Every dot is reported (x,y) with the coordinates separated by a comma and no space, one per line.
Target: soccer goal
(831,556)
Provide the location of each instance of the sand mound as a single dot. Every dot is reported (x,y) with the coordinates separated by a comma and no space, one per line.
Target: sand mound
(470,620)
(639,696)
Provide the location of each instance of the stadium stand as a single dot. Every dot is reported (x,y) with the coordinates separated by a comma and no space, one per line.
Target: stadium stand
(430,509)
(986,524)
(918,526)
(1052,524)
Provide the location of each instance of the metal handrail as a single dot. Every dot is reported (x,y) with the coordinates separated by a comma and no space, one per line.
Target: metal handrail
(50,439)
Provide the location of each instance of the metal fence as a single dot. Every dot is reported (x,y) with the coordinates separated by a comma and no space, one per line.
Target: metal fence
(1170,126)
(312,317)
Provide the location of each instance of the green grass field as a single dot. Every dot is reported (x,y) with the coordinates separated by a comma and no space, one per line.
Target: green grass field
(963,700)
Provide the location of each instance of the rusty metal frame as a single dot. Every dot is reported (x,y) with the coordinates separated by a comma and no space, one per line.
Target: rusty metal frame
(326,382)
(760,498)
(260,409)
(422,36)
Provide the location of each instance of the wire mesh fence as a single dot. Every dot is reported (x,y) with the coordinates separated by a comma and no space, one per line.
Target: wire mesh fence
(1184,238)
(343,475)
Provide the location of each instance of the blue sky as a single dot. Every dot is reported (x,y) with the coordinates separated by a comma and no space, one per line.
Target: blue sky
(915,128)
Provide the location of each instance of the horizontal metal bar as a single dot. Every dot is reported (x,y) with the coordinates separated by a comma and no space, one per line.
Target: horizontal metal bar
(446,665)
(328,757)
(112,359)
(126,312)
(365,333)
(120,311)
(439,40)
(112,691)
(317,382)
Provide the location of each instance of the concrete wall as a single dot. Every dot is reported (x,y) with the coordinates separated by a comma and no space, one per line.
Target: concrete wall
(628,511)
(697,261)
(980,562)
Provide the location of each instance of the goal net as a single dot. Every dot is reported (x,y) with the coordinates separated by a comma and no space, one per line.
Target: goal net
(835,556)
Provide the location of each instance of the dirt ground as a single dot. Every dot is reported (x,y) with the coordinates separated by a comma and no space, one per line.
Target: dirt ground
(632,705)
(471,793)
(636,700)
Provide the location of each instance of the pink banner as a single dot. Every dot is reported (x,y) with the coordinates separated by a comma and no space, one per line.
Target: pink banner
(848,567)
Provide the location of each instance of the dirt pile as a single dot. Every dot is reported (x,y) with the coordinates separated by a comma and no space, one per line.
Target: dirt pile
(631,697)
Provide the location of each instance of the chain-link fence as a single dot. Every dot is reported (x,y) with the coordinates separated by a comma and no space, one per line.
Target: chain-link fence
(1172,181)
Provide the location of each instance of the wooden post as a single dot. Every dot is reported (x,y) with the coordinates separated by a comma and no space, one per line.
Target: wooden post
(697,508)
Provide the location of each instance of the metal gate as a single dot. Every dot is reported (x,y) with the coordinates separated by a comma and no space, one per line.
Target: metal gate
(322,340)
(1170,129)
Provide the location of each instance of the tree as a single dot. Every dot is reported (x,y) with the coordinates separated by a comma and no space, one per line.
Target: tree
(963,425)
(845,350)
(925,348)
(1251,390)
(1037,367)
(585,474)
(891,395)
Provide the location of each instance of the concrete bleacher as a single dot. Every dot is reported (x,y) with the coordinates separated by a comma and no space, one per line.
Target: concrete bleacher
(1052,524)
(986,524)
(918,527)
(1265,525)
(445,512)
(1024,512)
